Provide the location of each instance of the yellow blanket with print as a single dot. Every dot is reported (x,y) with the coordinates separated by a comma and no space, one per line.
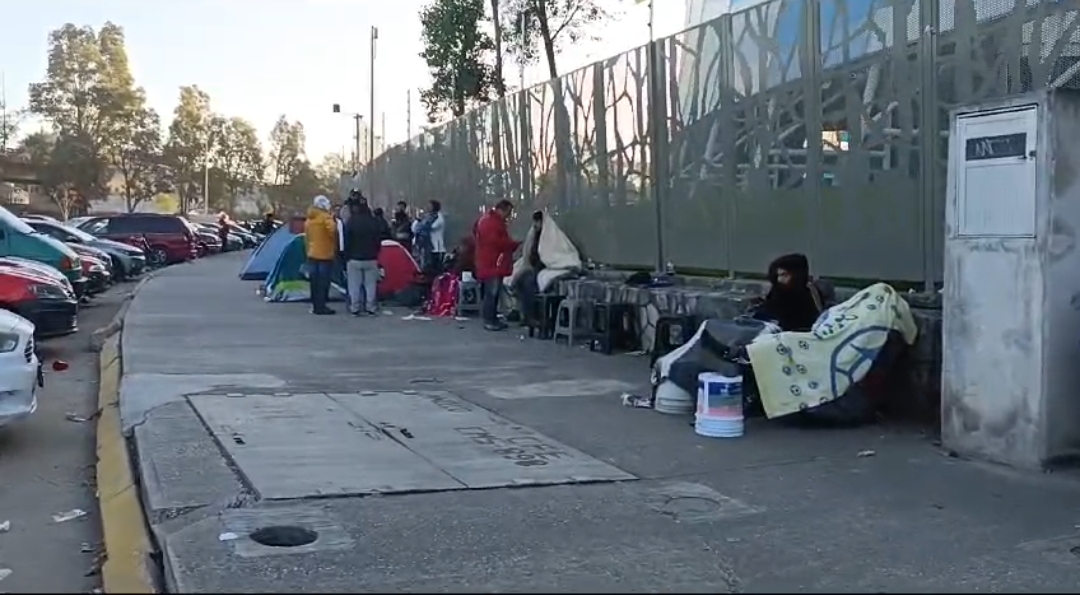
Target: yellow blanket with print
(801,370)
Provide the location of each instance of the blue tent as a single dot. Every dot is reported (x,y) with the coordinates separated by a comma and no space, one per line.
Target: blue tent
(288,281)
(264,258)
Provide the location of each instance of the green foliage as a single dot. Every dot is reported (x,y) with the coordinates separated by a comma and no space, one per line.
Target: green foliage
(187,151)
(139,159)
(293,182)
(89,97)
(458,52)
(65,167)
(329,172)
(237,156)
(535,28)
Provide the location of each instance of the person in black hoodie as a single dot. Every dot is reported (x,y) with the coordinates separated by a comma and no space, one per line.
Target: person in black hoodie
(794,300)
(363,235)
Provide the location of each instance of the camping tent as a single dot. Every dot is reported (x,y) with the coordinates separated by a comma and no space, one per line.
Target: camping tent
(288,282)
(264,258)
(399,269)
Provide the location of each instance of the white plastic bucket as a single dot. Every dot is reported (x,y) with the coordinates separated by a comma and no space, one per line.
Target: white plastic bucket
(672,400)
(719,406)
(466,276)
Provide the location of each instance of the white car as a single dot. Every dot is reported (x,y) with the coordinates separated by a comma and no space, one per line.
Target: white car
(20,369)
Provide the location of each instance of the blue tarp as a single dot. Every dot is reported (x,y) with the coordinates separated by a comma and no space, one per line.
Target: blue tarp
(264,258)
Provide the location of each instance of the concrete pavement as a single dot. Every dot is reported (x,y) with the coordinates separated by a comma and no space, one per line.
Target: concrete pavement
(281,452)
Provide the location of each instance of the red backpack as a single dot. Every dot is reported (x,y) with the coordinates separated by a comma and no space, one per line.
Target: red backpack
(444,295)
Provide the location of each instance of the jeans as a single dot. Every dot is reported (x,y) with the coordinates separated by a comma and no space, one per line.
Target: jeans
(490,307)
(526,288)
(363,279)
(319,271)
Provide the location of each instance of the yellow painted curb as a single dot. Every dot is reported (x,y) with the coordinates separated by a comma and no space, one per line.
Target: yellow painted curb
(128,547)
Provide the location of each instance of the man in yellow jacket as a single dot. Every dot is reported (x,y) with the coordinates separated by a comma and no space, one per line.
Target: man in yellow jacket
(321,241)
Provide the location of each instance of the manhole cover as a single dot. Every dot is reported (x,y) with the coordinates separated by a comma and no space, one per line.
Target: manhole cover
(284,536)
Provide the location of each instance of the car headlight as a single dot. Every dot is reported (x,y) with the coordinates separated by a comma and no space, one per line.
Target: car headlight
(48,291)
(8,342)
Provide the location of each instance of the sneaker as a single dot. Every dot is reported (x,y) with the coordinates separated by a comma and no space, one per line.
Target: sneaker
(372,313)
(495,326)
(323,312)
(356,313)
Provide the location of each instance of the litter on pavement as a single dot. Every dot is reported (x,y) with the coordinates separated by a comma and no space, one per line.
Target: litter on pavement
(64,517)
(5,526)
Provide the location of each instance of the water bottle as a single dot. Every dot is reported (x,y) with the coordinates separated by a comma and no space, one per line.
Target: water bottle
(669,268)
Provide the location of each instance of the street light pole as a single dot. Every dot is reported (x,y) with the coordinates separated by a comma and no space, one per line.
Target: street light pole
(356,159)
(206,178)
(371,106)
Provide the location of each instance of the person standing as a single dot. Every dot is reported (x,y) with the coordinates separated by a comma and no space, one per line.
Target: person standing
(430,236)
(384,225)
(320,242)
(494,259)
(401,226)
(223,231)
(363,238)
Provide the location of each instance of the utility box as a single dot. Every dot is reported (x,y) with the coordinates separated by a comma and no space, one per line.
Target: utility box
(1011,303)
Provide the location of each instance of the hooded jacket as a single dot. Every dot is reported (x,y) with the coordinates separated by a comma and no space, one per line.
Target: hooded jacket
(320,235)
(796,306)
(364,234)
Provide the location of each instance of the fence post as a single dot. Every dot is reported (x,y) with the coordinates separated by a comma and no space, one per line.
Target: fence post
(599,104)
(929,140)
(658,136)
(525,115)
(729,178)
(813,118)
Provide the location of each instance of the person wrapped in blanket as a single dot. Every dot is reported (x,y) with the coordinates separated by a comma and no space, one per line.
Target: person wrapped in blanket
(526,284)
(795,299)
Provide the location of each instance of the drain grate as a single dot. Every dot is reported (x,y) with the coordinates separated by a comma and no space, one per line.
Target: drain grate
(284,536)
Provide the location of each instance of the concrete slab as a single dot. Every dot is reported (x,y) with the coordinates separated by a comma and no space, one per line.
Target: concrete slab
(475,446)
(180,464)
(302,446)
(141,393)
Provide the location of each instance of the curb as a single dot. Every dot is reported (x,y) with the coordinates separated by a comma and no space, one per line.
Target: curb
(128,565)
(97,338)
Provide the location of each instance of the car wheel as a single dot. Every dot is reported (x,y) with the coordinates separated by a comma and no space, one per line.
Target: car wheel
(158,256)
(119,272)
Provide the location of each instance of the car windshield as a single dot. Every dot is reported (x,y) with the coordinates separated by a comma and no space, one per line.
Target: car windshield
(16,224)
(75,231)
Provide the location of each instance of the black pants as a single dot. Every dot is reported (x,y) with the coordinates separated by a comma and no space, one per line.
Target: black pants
(526,287)
(320,271)
(490,307)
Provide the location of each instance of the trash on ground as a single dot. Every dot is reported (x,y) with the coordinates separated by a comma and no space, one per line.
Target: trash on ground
(5,526)
(639,352)
(228,536)
(415,317)
(461,318)
(59,365)
(87,548)
(64,517)
(80,419)
(866,453)
(4,573)
(632,400)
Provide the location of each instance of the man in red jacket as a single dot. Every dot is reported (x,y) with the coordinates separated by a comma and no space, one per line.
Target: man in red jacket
(494,259)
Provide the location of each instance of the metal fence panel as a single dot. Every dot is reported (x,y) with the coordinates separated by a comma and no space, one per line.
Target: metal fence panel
(793,125)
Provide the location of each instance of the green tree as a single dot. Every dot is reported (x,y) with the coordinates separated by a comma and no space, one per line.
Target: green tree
(88,96)
(9,125)
(329,172)
(139,159)
(547,25)
(457,51)
(289,170)
(60,161)
(237,158)
(187,151)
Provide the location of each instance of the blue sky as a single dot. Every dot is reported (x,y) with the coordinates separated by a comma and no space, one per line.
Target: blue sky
(262,58)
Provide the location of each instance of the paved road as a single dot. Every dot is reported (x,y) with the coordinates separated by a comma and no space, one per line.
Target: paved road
(432,456)
(46,467)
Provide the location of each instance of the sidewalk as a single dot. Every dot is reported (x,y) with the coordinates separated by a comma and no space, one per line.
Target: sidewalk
(434,456)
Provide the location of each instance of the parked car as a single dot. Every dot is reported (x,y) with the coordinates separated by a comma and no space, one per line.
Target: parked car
(209,242)
(20,240)
(40,270)
(98,277)
(170,238)
(38,297)
(233,242)
(77,221)
(20,368)
(127,261)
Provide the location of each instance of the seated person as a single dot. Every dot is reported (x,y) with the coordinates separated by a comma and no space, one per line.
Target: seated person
(526,283)
(795,299)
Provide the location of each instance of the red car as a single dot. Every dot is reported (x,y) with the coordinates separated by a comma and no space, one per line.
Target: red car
(39,298)
(170,238)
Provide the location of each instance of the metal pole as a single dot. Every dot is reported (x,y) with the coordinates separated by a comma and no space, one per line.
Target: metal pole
(521,60)
(371,106)
(408,114)
(356,156)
